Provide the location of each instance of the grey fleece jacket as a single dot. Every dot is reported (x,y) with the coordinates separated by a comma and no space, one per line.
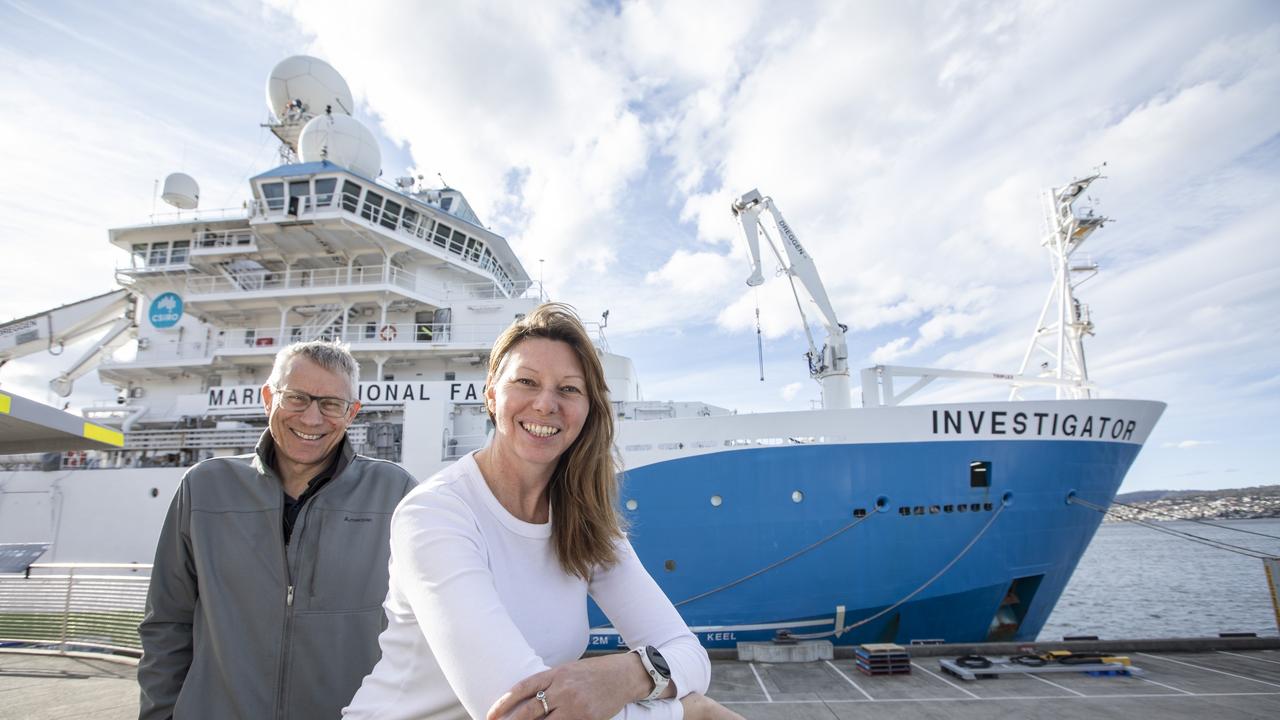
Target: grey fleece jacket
(237,624)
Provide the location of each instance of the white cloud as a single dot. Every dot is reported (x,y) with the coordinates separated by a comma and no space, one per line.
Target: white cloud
(1188,444)
(790,391)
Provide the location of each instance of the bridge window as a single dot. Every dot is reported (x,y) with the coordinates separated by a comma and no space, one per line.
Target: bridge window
(350,196)
(372,208)
(179,254)
(409,220)
(456,242)
(442,234)
(299,190)
(273,194)
(159,254)
(473,249)
(324,191)
(391,214)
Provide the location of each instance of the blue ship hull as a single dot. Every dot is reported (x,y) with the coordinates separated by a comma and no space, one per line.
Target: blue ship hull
(776,501)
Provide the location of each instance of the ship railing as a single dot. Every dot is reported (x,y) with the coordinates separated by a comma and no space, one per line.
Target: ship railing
(362,334)
(213,438)
(492,291)
(267,340)
(303,278)
(185,216)
(222,241)
(878,382)
(69,607)
(405,220)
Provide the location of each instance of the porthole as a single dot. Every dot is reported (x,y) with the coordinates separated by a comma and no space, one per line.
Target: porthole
(986,506)
(669,565)
(716,500)
(934,509)
(904,510)
(917,510)
(859,512)
(797,496)
(948,508)
(962,508)
(632,504)
(155,492)
(975,507)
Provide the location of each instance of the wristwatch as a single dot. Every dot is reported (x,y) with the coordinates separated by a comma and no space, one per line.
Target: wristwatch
(657,667)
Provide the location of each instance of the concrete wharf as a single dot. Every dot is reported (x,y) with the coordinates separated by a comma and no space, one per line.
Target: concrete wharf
(1191,679)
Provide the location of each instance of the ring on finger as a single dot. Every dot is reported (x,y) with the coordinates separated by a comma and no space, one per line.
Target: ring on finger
(542,698)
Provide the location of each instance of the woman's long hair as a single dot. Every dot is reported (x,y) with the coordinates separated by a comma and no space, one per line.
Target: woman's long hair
(584,487)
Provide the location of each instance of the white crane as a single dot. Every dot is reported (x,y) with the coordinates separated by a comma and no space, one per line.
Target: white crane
(830,365)
(110,314)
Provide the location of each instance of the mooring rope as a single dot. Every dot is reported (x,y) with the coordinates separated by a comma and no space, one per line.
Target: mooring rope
(1209,542)
(1139,508)
(913,593)
(732,583)
(721,588)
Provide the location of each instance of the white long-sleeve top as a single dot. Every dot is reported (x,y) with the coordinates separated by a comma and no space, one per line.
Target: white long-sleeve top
(478,601)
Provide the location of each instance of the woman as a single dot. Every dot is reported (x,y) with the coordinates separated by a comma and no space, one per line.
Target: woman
(492,560)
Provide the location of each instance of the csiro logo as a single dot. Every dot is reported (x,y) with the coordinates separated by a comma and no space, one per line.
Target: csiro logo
(166,311)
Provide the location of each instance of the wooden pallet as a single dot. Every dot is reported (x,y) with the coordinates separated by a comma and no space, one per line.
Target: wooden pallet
(882,659)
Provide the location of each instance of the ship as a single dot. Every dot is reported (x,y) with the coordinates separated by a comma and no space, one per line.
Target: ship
(890,522)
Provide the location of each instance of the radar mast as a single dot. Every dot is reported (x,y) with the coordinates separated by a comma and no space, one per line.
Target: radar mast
(1058,340)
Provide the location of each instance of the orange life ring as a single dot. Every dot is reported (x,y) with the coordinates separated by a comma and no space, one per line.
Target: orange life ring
(387,333)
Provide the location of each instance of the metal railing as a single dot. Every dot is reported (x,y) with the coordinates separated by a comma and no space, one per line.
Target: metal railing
(75,606)
(214,438)
(267,341)
(260,280)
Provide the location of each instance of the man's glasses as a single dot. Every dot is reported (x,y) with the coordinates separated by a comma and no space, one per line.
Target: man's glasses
(295,401)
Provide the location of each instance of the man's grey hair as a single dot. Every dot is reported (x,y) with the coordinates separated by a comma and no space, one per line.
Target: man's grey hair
(332,356)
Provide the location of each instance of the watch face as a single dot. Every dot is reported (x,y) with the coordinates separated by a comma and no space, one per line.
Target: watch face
(659,662)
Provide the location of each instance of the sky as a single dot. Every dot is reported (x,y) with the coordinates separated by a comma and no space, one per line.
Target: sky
(906,143)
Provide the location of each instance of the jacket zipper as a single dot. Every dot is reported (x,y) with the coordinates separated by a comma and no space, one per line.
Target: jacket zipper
(295,536)
(288,613)
(294,539)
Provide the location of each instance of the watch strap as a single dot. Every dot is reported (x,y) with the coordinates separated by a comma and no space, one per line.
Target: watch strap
(660,680)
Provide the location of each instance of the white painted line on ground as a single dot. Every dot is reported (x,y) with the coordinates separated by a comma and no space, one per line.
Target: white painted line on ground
(1250,657)
(849,680)
(1153,682)
(1209,669)
(1060,687)
(763,689)
(999,698)
(926,670)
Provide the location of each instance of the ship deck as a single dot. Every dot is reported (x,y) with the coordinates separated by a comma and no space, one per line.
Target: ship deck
(1193,683)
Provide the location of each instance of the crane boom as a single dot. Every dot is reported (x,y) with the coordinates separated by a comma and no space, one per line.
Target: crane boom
(110,313)
(830,365)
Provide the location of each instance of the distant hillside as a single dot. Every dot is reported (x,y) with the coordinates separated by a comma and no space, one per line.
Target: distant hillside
(1239,503)
(1142,496)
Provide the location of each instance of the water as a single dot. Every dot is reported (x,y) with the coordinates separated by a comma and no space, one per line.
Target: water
(1134,582)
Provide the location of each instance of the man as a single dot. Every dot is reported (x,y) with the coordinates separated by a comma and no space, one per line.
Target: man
(265,599)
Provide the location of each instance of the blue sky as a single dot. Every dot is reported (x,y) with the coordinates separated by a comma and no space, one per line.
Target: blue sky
(906,142)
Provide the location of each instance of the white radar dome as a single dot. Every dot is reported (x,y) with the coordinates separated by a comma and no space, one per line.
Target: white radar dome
(306,84)
(181,191)
(343,141)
